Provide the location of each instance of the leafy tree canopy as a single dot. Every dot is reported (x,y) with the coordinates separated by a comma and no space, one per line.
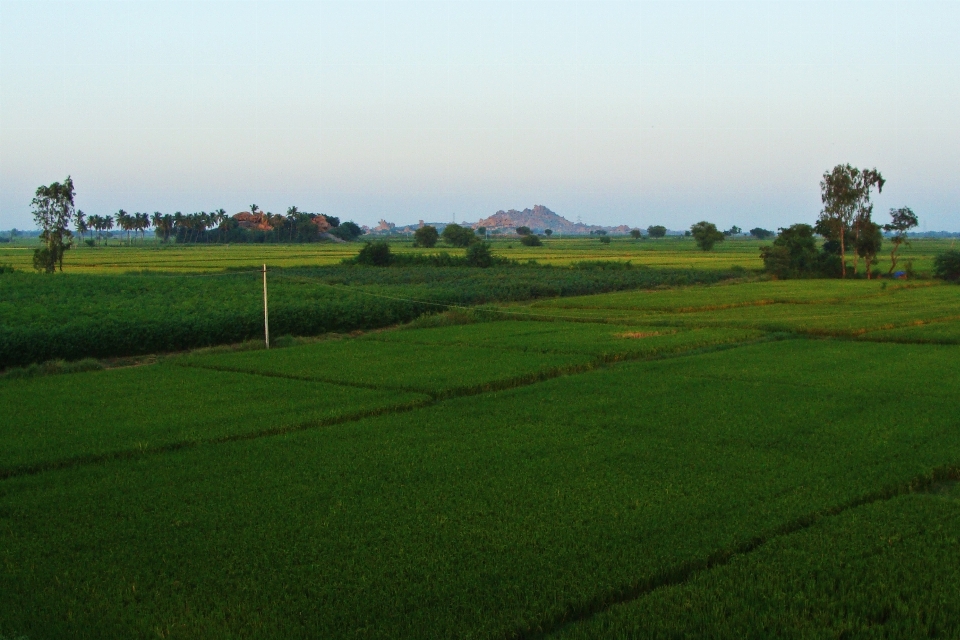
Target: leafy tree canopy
(426,236)
(706,235)
(656,231)
(458,236)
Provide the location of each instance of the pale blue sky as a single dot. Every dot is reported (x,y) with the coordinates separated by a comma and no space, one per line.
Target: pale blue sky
(619,112)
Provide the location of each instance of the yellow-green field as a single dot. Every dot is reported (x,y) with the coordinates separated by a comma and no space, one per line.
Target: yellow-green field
(671,252)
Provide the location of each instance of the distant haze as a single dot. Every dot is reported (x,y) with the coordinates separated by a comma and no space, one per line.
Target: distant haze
(631,113)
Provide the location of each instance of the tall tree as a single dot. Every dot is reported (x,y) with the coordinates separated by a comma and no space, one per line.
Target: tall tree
(902,220)
(867,235)
(845,193)
(53,212)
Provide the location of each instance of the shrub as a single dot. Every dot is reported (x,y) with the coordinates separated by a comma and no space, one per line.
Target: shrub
(7,268)
(530,241)
(376,254)
(426,237)
(479,255)
(604,240)
(946,266)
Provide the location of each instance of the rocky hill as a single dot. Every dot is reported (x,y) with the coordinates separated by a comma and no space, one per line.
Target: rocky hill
(538,219)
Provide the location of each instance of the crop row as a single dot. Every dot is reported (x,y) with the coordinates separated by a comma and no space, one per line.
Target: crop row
(492,515)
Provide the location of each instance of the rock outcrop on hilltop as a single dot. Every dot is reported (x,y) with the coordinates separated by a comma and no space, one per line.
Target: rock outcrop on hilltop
(538,219)
(247,220)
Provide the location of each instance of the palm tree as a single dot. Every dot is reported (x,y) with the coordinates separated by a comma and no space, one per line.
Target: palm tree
(143,223)
(107,223)
(292,214)
(219,217)
(80,221)
(123,222)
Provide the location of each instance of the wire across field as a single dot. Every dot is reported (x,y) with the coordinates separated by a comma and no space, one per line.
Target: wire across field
(682,461)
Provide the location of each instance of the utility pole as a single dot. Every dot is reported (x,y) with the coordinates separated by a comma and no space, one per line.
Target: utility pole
(266,316)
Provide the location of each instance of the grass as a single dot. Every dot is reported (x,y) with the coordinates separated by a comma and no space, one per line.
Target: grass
(66,419)
(882,570)
(493,515)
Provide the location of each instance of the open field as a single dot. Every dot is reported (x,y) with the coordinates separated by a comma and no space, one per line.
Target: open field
(725,460)
(664,253)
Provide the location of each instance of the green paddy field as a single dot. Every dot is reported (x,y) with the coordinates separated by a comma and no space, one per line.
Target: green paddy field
(667,456)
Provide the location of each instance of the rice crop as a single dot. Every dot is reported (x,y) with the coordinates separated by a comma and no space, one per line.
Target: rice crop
(498,515)
(737,294)
(599,339)
(946,332)
(883,570)
(850,317)
(434,369)
(69,418)
(77,316)
(666,253)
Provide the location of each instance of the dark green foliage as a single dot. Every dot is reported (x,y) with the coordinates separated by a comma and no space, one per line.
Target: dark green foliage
(479,255)
(761,234)
(733,231)
(530,240)
(375,254)
(523,231)
(793,254)
(53,367)
(946,266)
(548,232)
(7,268)
(868,243)
(458,236)
(77,316)
(348,231)
(706,235)
(604,240)
(636,234)
(44,260)
(426,237)
(901,221)
(606,265)
(656,231)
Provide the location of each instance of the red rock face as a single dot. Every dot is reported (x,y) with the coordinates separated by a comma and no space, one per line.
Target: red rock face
(247,220)
(322,224)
